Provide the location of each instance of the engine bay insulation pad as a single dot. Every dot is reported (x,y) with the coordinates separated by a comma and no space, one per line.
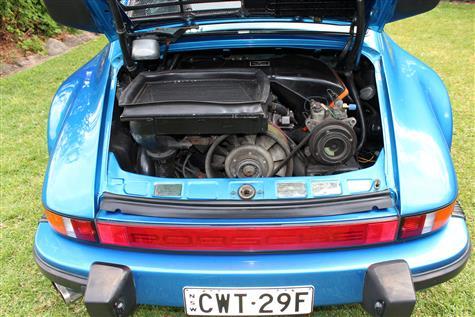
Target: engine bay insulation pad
(198,101)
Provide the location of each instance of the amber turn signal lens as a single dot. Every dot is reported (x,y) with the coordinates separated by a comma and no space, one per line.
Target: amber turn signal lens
(56,221)
(74,228)
(442,216)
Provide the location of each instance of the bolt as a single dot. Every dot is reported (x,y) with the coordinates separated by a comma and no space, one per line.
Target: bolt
(120,307)
(377,184)
(378,308)
(249,170)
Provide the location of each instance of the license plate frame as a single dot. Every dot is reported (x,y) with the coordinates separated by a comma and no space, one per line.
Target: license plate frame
(242,301)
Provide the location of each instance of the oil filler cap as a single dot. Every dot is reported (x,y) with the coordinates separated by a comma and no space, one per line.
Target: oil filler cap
(246,192)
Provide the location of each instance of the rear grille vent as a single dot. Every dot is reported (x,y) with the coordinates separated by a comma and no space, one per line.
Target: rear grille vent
(163,9)
(304,8)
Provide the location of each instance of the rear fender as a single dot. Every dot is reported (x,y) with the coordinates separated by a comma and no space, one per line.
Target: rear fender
(422,123)
(74,138)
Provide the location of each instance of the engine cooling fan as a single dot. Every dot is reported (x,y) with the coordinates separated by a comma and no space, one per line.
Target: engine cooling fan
(248,156)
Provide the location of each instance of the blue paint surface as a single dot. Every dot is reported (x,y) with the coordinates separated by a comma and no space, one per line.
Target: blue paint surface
(416,118)
(338,276)
(415,167)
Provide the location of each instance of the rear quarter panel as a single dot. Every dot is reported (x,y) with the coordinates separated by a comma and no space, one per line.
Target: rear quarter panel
(74,138)
(422,125)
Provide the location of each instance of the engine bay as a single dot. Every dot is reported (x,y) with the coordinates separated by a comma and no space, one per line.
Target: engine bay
(247,113)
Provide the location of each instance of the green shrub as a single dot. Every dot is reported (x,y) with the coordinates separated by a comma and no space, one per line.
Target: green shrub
(21,19)
(33,44)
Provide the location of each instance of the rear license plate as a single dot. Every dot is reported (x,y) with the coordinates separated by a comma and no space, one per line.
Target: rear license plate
(248,301)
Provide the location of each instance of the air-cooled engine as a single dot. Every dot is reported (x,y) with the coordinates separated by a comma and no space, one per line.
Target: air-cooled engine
(241,116)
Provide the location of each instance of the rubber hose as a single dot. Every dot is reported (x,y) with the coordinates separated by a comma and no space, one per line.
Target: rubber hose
(280,109)
(294,151)
(359,108)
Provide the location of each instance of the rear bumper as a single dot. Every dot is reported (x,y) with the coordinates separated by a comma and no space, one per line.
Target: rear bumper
(338,276)
(441,274)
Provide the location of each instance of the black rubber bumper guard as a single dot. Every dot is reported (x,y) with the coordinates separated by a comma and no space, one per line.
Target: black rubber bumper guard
(109,290)
(389,288)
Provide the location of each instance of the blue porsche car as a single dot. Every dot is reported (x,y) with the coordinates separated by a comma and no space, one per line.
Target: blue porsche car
(249,158)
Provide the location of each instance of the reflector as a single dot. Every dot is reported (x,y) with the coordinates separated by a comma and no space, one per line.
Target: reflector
(412,226)
(84,230)
(421,224)
(245,238)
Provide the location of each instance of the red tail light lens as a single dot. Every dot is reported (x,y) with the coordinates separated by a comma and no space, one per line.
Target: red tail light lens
(74,228)
(414,226)
(84,230)
(244,238)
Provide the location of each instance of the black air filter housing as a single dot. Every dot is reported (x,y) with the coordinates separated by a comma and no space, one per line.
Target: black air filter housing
(195,102)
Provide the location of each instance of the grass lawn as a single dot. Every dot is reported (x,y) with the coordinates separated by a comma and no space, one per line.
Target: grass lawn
(443,38)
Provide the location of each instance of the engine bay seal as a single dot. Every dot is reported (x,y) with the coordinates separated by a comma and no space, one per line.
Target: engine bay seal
(240,209)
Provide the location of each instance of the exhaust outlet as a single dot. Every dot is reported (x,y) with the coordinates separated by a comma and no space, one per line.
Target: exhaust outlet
(69,295)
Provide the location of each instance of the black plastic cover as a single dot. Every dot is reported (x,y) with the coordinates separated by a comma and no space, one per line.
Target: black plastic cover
(123,146)
(302,72)
(389,290)
(294,77)
(197,102)
(110,291)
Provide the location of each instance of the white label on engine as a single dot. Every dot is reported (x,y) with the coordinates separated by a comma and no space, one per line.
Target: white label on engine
(168,190)
(359,185)
(326,188)
(291,190)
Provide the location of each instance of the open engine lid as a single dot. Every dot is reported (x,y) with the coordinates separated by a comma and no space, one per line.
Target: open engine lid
(97,16)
